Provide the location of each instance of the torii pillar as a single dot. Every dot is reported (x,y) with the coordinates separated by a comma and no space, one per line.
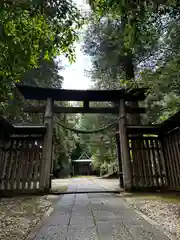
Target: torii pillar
(124,147)
(47,147)
(118,150)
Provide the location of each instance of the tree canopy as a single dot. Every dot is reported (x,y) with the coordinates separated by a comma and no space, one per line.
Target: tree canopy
(133,44)
(31,31)
(133,13)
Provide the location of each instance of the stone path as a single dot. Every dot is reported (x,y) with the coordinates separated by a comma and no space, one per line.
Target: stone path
(95,216)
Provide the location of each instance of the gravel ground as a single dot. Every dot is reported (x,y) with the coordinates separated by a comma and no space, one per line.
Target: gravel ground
(19,215)
(163,210)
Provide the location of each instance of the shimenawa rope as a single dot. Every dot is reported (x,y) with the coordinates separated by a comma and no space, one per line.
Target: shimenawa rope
(89,131)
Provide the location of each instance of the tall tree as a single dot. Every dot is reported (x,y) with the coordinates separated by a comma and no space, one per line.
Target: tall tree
(46,75)
(132,16)
(105,49)
(154,55)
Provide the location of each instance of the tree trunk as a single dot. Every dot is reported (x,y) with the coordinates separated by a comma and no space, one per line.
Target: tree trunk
(133,119)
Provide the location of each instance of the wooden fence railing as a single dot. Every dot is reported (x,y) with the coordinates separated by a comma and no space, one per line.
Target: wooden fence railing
(20,164)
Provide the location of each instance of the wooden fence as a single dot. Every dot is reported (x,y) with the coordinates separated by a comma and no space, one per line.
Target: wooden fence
(147,162)
(155,154)
(154,157)
(20,165)
(171,146)
(21,158)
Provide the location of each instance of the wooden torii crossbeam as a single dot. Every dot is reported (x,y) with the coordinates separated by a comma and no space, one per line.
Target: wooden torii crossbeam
(40,93)
(86,96)
(118,97)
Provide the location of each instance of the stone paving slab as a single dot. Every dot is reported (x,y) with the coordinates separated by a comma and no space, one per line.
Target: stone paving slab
(104,216)
(95,217)
(88,233)
(113,230)
(57,219)
(52,233)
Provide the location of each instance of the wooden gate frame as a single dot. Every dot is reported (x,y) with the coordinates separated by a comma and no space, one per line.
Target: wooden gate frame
(117,97)
(168,132)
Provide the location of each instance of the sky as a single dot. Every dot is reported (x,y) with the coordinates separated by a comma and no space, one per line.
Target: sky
(74,76)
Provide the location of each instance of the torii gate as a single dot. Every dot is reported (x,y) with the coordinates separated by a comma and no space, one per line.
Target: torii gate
(119,97)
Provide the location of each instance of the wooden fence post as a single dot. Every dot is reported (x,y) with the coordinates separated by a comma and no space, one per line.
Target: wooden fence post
(118,149)
(52,165)
(47,147)
(124,146)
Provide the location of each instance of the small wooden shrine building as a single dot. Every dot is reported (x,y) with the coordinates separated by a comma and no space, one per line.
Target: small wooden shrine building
(82,165)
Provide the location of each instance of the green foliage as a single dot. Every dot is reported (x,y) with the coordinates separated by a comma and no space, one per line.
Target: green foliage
(144,39)
(76,153)
(162,77)
(31,31)
(110,61)
(104,168)
(163,94)
(108,168)
(133,14)
(46,75)
(101,147)
(96,163)
(105,50)
(66,143)
(155,55)
(20,44)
